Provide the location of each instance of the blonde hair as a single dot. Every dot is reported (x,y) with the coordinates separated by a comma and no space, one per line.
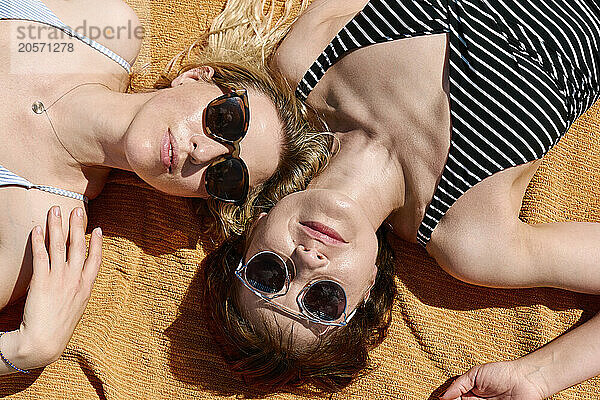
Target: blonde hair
(238,46)
(248,31)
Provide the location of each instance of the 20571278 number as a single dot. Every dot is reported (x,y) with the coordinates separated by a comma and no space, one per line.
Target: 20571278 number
(40,47)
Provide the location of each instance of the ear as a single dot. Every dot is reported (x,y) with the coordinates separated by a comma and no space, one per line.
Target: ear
(251,231)
(204,73)
(373,277)
(255,222)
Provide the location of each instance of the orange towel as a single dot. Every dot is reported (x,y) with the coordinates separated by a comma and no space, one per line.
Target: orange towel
(143,335)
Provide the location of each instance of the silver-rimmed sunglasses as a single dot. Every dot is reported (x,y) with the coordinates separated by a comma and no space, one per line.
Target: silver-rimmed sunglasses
(268,275)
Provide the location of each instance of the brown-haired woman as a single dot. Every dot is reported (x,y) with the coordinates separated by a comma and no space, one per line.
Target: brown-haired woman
(219,127)
(443,111)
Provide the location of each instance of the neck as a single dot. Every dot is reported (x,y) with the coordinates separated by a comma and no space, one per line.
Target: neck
(365,171)
(90,122)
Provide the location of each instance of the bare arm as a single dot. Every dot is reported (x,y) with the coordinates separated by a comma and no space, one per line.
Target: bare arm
(567,255)
(571,358)
(563,255)
(57,296)
(568,360)
(570,255)
(512,254)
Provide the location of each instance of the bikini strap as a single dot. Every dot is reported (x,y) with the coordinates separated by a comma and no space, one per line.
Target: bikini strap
(9,178)
(378,22)
(37,11)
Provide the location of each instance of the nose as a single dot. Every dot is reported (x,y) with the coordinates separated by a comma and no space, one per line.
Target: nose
(308,257)
(204,150)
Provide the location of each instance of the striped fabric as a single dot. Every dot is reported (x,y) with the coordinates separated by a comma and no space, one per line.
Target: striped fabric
(8,178)
(380,21)
(36,11)
(521,72)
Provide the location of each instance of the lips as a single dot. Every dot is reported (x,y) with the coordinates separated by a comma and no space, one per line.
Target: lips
(322,232)
(168,151)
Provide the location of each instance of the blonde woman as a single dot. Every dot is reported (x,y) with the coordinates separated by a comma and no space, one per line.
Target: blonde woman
(216,129)
(443,111)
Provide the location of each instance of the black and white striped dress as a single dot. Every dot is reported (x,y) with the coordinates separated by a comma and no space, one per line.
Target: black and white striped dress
(521,72)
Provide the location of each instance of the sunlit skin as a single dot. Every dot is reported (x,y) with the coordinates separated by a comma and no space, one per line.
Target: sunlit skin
(180,109)
(350,200)
(283,231)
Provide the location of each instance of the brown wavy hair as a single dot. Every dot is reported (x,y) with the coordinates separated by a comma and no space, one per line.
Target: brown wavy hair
(261,357)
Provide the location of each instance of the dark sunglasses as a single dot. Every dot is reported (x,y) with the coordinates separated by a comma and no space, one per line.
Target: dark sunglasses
(226,120)
(268,275)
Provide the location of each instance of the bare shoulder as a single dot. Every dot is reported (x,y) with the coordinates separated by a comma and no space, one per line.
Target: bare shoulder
(481,238)
(310,34)
(112,23)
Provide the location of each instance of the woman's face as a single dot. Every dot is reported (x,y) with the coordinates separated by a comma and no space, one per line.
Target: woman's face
(174,116)
(327,236)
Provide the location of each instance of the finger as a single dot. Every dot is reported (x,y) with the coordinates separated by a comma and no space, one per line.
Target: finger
(461,385)
(56,237)
(41,264)
(94,259)
(76,252)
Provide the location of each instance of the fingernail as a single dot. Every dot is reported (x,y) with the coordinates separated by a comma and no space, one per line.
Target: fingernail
(98,231)
(38,230)
(79,212)
(56,211)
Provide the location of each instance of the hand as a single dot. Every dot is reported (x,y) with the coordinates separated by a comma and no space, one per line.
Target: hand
(495,381)
(60,287)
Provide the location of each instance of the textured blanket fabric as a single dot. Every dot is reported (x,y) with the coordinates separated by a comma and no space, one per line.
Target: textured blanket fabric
(143,336)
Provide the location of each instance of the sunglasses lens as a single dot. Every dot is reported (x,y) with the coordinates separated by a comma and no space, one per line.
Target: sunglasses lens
(325,300)
(266,273)
(226,180)
(226,119)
